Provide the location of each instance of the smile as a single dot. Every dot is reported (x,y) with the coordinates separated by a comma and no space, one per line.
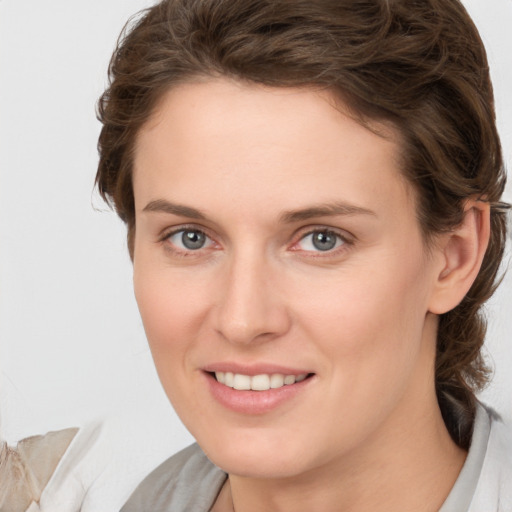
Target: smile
(256,391)
(262,382)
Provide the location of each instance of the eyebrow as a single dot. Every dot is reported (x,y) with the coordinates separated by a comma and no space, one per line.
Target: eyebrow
(287,217)
(324,210)
(164,206)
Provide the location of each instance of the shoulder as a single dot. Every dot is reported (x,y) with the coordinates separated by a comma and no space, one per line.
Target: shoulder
(185,481)
(494,487)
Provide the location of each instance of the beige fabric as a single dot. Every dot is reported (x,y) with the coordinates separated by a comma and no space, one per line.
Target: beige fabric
(26,469)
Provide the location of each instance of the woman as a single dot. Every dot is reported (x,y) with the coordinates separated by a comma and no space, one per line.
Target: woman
(312,196)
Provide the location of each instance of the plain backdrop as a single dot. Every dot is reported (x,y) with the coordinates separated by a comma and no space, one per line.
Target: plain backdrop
(72,345)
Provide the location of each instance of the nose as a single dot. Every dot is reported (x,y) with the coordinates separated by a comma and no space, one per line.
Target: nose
(251,306)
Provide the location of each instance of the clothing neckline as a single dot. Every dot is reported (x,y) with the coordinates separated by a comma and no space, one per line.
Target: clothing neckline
(462,492)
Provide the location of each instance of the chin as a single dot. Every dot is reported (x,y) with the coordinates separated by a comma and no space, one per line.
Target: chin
(268,468)
(258,459)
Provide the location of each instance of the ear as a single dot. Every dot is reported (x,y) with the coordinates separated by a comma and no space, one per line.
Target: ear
(462,251)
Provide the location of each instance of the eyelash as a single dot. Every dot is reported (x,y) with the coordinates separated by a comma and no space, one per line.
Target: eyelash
(169,246)
(346,241)
(340,248)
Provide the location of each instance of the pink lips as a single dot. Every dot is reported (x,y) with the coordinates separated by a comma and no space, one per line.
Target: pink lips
(253,369)
(248,401)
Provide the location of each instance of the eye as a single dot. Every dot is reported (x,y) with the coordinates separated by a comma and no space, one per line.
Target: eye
(189,239)
(321,240)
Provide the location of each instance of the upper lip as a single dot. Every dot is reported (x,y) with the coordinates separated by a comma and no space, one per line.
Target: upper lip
(254,369)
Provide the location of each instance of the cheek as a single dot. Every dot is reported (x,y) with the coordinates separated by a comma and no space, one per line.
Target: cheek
(170,311)
(371,318)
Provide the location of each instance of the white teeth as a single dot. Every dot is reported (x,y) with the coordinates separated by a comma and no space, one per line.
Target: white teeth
(289,379)
(241,382)
(228,379)
(276,381)
(262,382)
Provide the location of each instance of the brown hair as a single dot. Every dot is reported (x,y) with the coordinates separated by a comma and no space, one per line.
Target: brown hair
(419,64)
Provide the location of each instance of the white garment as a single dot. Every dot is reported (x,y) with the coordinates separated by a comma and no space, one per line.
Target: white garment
(494,488)
(69,483)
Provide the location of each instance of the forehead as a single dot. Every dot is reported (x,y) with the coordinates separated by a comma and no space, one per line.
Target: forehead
(289,145)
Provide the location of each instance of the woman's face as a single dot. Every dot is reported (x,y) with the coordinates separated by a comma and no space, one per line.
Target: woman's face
(277,246)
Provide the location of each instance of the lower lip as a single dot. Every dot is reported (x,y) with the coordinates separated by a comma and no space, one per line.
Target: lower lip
(254,402)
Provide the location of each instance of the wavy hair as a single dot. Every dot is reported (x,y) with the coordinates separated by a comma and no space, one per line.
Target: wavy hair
(418,64)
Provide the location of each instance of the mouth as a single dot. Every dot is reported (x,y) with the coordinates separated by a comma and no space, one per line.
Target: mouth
(261,382)
(256,390)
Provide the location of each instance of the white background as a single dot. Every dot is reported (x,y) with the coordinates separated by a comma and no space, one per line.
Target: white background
(72,344)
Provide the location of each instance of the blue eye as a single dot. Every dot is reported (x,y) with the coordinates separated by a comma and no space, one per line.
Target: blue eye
(321,240)
(189,239)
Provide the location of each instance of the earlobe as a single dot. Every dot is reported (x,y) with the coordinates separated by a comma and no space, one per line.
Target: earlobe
(462,253)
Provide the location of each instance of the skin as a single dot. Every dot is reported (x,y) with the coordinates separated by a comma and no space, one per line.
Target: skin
(361,317)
